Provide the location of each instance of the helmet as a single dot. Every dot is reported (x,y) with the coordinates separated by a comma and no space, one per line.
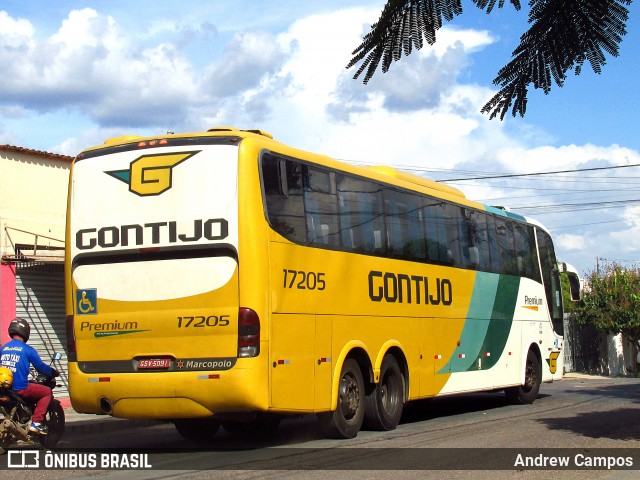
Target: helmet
(6,377)
(19,326)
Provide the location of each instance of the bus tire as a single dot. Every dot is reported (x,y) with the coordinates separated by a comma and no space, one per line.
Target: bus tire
(383,406)
(346,420)
(527,393)
(197,428)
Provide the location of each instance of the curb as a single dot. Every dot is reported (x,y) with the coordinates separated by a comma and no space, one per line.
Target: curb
(594,376)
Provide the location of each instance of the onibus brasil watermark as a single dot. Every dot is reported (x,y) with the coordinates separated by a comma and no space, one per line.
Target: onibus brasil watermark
(37,459)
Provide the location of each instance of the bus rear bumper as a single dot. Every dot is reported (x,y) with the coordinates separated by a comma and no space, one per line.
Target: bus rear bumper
(166,395)
(158,408)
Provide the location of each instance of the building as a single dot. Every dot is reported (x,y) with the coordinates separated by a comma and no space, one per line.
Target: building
(33,196)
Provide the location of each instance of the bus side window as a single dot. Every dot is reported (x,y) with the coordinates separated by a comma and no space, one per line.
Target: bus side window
(454,234)
(459,236)
(321,207)
(437,242)
(405,226)
(494,251)
(362,220)
(526,252)
(504,246)
(479,241)
(283,197)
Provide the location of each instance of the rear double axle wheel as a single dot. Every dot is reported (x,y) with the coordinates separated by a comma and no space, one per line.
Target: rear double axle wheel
(380,409)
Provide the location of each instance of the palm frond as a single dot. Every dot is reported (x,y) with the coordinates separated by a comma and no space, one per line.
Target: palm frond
(488,5)
(563,35)
(402,26)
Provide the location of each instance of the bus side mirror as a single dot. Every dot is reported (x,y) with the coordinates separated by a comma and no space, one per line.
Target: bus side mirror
(575,287)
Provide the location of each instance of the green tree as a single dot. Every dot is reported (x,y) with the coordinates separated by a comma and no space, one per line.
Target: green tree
(611,303)
(563,35)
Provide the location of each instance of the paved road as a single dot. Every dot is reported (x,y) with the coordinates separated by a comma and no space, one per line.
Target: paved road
(575,417)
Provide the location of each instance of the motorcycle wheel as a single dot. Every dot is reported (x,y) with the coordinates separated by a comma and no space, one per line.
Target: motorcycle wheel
(54,419)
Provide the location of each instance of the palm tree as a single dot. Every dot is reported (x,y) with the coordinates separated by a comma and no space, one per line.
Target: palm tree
(563,35)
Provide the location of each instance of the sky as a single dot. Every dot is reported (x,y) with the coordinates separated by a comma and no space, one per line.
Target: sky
(78,72)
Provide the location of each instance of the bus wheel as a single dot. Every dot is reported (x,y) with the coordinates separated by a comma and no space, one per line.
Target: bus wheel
(197,428)
(383,406)
(527,393)
(346,420)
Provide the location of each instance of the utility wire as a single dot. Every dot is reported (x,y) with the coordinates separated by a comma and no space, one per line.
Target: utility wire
(550,208)
(562,227)
(538,173)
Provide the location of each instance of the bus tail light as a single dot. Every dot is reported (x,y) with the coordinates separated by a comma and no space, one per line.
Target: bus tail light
(72,355)
(248,333)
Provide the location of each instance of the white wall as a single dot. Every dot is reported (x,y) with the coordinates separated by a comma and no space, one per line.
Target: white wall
(33,196)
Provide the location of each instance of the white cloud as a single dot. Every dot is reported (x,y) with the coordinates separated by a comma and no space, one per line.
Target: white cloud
(549,158)
(293,83)
(16,34)
(632,215)
(6,137)
(246,60)
(570,242)
(424,80)
(415,114)
(93,66)
(90,64)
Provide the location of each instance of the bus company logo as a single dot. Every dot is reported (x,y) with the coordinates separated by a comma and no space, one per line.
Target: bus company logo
(532,303)
(150,175)
(205,363)
(110,329)
(553,361)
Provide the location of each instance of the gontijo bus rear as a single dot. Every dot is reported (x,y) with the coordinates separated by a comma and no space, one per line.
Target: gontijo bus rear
(223,275)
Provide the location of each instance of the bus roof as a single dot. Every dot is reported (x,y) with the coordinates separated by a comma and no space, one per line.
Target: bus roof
(381,172)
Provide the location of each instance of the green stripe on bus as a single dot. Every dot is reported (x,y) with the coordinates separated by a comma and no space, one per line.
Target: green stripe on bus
(489,320)
(502,319)
(477,323)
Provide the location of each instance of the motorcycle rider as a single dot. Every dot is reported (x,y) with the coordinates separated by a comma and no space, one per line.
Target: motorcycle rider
(18,356)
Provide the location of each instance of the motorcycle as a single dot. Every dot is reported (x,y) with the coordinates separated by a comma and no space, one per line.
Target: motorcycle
(16,413)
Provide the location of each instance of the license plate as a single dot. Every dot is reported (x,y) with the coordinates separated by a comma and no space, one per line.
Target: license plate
(150,363)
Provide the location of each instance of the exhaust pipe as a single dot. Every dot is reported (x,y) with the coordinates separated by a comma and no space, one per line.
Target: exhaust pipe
(105,405)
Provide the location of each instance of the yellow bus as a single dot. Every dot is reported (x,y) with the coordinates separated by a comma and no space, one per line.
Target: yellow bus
(222,277)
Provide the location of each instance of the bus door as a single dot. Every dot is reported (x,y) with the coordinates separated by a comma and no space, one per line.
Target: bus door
(301,365)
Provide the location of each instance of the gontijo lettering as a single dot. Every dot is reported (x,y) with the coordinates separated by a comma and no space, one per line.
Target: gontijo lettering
(151,233)
(402,288)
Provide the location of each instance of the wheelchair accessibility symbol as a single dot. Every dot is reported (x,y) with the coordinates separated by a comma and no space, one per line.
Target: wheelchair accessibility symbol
(87,301)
